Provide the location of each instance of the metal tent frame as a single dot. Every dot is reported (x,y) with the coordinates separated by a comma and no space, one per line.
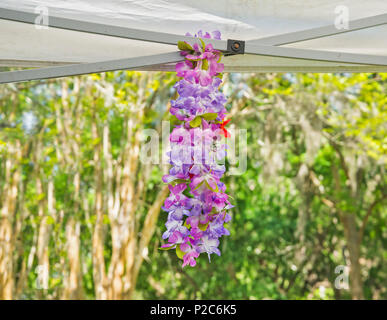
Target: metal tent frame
(268,46)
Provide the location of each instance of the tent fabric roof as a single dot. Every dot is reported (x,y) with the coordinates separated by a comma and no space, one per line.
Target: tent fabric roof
(24,45)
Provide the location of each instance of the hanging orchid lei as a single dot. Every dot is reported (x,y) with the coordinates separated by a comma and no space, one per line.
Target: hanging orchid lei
(197,205)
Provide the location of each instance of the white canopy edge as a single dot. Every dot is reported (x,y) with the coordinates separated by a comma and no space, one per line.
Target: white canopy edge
(272,56)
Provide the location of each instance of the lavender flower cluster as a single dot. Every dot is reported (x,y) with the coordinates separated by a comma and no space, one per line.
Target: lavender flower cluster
(197,205)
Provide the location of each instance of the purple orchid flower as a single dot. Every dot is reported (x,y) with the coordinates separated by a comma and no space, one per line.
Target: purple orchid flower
(209,245)
(216,229)
(190,254)
(175,195)
(195,223)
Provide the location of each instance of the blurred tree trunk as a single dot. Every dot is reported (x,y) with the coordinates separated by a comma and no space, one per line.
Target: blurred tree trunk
(124,190)
(73,159)
(352,237)
(12,176)
(351,233)
(146,235)
(303,184)
(98,233)
(70,156)
(73,288)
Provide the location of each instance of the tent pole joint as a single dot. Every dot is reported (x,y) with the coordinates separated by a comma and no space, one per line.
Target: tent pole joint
(235,46)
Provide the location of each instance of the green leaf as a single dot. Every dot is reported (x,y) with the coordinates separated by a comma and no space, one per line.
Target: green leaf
(199,185)
(209,116)
(178,181)
(167,248)
(203,43)
(208,186)
(175,119)
(48,122)
(50,220)
(205,64)
(203,227)
(188,226)
(196,122)
(106,219)
(180,254)
(194,59)
(49,150)
(40,196)
(184,46)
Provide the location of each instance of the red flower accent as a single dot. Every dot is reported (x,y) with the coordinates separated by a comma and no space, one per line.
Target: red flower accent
(222,127)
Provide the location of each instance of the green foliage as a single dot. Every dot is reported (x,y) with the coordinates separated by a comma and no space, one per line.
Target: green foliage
(317,150)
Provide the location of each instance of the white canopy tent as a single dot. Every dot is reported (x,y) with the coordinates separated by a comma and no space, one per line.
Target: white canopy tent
(56,38)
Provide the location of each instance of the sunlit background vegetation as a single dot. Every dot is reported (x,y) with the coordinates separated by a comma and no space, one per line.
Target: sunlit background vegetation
(76,201)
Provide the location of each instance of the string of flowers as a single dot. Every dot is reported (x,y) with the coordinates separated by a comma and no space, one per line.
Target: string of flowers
(197,205)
